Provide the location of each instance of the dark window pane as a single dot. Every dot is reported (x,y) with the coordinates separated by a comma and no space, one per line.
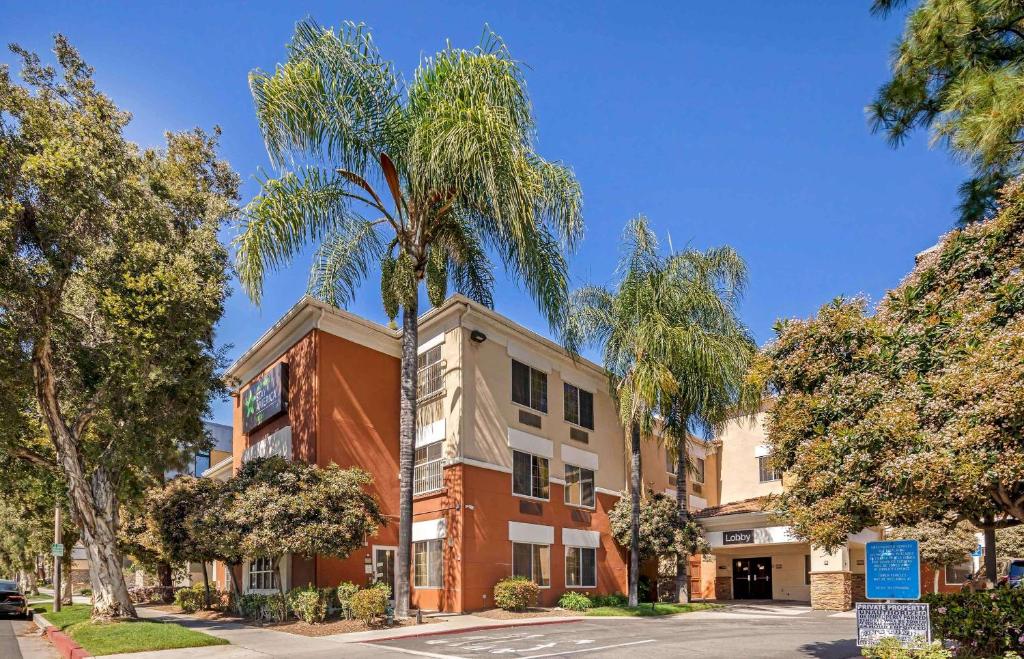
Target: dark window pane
(539,390)
(572,403)
(572,566)
(587,487)
(521,473)
(522,556)
(520,383)
(542,564)
(588,567)
(586,409)
(540,477)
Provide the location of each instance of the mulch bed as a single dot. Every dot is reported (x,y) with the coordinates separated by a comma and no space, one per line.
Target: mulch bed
(502,614)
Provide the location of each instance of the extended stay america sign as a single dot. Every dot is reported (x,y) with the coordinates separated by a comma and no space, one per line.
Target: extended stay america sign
(265,398)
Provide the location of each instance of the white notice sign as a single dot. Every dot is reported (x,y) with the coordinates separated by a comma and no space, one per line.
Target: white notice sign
(908,622)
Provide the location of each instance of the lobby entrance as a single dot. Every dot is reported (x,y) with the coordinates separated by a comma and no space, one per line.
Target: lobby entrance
(752,578)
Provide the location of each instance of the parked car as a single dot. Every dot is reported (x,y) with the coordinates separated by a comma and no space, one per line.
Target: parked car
(1010,573)
(12,601)
(1015,573)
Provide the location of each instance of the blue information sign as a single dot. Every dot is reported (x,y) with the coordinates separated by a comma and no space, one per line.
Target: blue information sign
(893,570)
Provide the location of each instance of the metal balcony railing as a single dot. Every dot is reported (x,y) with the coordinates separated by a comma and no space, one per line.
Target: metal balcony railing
(430,379)
(428,477)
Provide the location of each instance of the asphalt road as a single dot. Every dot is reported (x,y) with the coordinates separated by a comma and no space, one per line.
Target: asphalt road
(723,634)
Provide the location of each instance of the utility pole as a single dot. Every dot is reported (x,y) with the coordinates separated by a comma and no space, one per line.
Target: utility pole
(57,539)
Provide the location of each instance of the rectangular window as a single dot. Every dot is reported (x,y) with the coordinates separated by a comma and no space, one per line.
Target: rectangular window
(765,471)
(529,475)
(428,475)
(580,567)
(579,486)
(427,563)
(698,477)
(579,406)
(670,468)
(956,575)
(807,569)
(262,575)
(529,387)
(532,562)
(429,372)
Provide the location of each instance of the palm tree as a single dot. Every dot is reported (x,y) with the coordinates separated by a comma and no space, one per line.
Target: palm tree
(452,153)
(659,331)
(710,369)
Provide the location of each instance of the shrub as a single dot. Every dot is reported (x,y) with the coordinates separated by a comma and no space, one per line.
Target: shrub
(891,648)
(987,624)
(516,594)
(309,604)
(574,601)
(190,600)
(276,607)
(370,604)
(345,591)
(252,605)
(85,592)
(615,599)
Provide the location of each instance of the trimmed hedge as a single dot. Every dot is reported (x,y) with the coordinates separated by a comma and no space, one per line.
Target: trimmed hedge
(984,624)
(371,603)
(574,601)
(516,594)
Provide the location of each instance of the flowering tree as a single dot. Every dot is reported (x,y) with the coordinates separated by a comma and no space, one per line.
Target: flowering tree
(915,413)
(660,529)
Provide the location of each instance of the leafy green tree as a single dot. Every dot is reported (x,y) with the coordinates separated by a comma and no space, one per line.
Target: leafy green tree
(284,507)
(111,282)
(426,179)
(940,544)
(665,317)
(660,529)
(956,71)
(1010,542)
(914,413)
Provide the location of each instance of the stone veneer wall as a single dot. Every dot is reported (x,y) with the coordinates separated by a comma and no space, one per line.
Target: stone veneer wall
(723,588)
(858,588)
(832,591)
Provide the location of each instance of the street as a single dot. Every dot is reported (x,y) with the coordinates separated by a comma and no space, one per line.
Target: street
(16,643)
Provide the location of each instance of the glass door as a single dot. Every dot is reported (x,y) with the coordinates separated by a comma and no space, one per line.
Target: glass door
(384,566)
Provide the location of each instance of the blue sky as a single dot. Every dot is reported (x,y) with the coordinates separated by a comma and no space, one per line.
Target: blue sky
(737,123)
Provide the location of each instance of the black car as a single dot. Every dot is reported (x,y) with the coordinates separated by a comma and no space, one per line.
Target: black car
(12,601)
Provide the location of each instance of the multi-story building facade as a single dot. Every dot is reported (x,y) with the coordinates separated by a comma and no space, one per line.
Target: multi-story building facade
(519,453)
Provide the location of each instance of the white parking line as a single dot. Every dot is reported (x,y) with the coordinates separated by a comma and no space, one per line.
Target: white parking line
(582,650)
(413,652)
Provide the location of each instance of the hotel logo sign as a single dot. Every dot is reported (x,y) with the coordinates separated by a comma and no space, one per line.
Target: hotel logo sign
(738,537)
(265,398)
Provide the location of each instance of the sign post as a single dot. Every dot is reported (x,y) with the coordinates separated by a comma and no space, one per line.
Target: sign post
(893,572)
(57,547)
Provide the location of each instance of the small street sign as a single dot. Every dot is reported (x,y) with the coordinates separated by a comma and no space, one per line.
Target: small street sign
(57,549)
(893,570)
(977,552)
(907,622)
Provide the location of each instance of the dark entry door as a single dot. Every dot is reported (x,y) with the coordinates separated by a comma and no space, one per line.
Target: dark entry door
(384,560)
(752,578)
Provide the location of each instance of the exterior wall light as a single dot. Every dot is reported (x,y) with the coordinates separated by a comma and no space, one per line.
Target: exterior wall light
(477,336)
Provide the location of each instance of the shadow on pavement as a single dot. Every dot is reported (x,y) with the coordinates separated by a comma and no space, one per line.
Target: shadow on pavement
(843,649)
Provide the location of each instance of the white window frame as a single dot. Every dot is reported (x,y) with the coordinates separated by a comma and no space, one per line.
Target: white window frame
(580,574)
(565,487)
(438,460)
(579,407)
(533,572)
(533,456)
(284,568)
(440,559)
(529,382)
(761,470)
(424,371)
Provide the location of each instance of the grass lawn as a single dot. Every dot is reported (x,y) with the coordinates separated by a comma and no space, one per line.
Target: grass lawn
(116,637)
(644,610)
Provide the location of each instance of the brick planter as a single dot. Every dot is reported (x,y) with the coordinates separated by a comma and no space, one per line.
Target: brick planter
(832,591)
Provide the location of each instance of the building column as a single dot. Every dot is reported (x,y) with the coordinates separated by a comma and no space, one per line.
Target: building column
(831,580)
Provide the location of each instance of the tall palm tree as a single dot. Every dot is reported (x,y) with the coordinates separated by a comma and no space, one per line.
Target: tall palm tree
(656,330)
(452,153)
(710,370)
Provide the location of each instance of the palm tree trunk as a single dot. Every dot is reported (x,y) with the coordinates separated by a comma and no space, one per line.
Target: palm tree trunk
(634,522)
(682,560)
(406,458)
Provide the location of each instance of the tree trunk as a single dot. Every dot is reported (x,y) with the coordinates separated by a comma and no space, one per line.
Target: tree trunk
(407,456)
(682,560)
(31,585)
(935,580)
(66,584)
(991,569)
(164,574)
(282,612)
(93,500)
(236,588)
(206,586)
(634,516)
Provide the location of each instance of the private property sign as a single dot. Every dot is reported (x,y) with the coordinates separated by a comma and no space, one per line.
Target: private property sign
(893,570)
(907,622)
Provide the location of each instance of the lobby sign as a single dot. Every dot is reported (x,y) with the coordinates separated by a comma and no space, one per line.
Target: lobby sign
(893,570)
(265,398)
(908,622)
(738,537)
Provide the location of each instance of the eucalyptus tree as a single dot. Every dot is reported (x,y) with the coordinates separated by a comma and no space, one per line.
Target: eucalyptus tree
(710,366)
(659,330)
(425,179)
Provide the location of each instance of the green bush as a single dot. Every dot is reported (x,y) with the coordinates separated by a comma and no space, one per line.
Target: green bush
(574,601)
(309,604)
(983,624)
(615,599)
(516,594)
(252,605)
(345,591)
(891,648)
(370,604)
(276,607)
(191,599)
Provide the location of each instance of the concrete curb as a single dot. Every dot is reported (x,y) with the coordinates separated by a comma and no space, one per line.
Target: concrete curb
(63,643)
(474,628)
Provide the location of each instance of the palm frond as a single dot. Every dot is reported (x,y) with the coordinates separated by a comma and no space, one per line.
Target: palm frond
(343,260)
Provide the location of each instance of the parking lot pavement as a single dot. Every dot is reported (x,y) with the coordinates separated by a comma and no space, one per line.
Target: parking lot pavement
(810,634)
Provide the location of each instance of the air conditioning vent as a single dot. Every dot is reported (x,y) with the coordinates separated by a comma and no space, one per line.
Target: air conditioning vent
(698,488)
(531,508)
(581,516)
(529,419)
(579,435)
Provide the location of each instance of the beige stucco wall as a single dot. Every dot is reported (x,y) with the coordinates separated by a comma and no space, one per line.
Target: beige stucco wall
(788,560)
(740,479)
(656,476)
